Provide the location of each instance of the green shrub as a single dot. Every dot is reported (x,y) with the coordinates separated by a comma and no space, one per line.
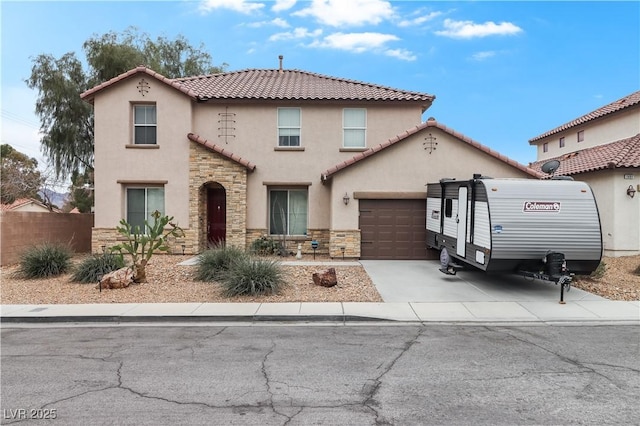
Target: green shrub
(46,260)
(93,268)
(265,246)
(253,277)
(214,263)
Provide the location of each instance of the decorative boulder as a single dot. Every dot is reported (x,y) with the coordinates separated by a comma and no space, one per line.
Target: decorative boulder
(121,278)
(325,279)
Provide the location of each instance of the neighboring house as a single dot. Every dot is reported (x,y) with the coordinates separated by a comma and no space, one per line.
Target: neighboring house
(240,155)
(27,205)
(602,148)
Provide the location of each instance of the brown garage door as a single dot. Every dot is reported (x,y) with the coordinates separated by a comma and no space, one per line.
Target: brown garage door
(393,229)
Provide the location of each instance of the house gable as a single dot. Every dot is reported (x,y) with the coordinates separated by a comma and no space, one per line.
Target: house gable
(431,123)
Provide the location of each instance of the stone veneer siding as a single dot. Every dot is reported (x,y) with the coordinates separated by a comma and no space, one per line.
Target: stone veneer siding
(349,239)
(108,237)
(208,167)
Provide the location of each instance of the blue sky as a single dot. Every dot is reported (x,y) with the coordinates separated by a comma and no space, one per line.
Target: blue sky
(502,72)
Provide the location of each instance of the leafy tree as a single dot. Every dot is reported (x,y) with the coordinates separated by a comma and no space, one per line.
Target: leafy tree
(66,120)
(19,175)
(80,192)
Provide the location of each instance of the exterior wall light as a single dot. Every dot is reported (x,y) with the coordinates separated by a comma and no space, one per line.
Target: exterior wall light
(345,199)
(631,192)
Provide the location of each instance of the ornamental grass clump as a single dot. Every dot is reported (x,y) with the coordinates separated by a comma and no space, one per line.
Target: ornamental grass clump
(214,264)
(253,277)
(93,268)
(46,260)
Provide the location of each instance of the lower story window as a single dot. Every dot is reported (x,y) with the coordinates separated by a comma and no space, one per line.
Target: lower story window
(141,203)
(288,211)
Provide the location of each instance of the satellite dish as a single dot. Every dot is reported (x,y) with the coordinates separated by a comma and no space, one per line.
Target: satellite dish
(550,166)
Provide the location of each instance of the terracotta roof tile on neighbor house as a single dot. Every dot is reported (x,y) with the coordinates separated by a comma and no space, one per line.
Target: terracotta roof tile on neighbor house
(279,84)
(225,153)
(620,104)
(620,154)
(21,202)
(89,94)
(429,123)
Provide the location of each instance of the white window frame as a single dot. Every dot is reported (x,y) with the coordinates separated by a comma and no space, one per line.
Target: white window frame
(290,128)
(145,124)
(147,208)
(288,212)
(362,128)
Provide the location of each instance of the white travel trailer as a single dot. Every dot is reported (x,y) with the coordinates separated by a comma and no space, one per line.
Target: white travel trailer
(549,229)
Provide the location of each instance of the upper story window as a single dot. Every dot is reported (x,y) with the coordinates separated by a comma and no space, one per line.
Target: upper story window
(562,142)
(545,147)
(144,124)
(354,127)
(580,135)
(288,126)
(141,203)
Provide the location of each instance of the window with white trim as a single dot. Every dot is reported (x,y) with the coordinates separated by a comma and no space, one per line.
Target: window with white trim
(561,143)
(144,124)
(581,136)
(288,211)
(288,126)
(141,203)
(354,127)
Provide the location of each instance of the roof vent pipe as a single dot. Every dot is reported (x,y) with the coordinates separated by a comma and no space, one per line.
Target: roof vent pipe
(280,57)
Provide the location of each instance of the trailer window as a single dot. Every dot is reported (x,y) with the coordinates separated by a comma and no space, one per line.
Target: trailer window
(448,207)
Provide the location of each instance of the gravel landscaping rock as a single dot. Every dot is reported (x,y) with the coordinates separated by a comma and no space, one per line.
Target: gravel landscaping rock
(169,282)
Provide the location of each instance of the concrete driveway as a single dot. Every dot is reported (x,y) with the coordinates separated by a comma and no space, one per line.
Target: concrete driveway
(421,281)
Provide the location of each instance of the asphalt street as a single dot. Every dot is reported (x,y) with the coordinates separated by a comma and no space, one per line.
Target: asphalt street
(160,374)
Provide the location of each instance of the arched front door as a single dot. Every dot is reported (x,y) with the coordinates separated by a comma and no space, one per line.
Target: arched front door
(216,215)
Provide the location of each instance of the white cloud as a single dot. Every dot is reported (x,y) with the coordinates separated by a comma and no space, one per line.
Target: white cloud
(241,6)
(278,22)
(419,20)
(297,33)
(481,56)
(469,29)
(283,5)
(355,42)
(339,13)
(402,54)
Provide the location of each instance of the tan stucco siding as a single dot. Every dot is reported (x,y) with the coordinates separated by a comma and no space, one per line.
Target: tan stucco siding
(619,213)
(604,130)
(407,167)
(116,161)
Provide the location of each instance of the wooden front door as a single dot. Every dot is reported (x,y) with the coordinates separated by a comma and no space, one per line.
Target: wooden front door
(216,216)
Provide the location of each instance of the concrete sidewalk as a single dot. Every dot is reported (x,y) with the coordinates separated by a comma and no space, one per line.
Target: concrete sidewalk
(413,291)
(588,311)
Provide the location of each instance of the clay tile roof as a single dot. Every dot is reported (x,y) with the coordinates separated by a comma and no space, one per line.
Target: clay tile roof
(23,202)
(620,104)
(429,123)
(273,84)
(225,153)
(89,94)
(620,154)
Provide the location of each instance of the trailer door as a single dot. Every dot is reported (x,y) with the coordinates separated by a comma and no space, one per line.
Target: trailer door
(461,220)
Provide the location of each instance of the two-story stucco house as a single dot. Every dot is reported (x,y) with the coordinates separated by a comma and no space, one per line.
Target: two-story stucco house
(602,148)
(238,155)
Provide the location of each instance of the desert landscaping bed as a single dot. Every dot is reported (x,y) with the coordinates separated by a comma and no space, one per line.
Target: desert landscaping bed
(169,282)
